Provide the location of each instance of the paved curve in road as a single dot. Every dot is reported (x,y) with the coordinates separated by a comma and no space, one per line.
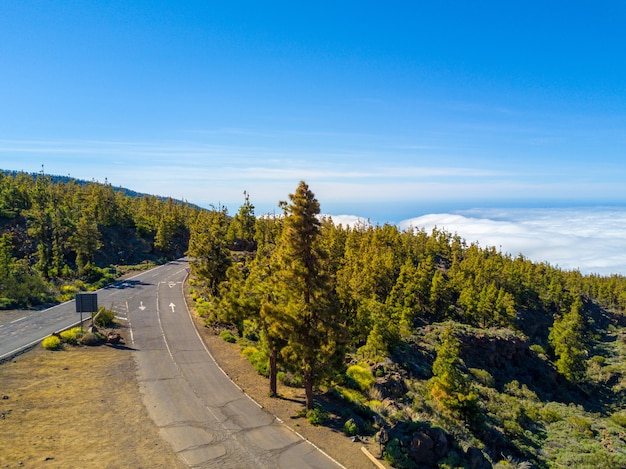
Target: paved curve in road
(206,418)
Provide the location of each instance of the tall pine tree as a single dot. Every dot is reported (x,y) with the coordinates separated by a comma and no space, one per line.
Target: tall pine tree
(309,316)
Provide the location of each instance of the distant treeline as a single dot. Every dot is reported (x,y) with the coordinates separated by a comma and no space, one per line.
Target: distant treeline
(56,179)
(56,231)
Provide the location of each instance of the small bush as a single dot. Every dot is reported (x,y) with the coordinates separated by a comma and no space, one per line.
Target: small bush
(249,350)
(375,405)
(350,428)
(452,460)
(361,376)
(51,343)
(228,336)
(483,377)
(68,292)
(599,359)
(581,425)
(317,416)
(538,349)
(69,336)
(204,307)
(396,455)
(512,428)
(549,415)
(351,395)
(104,317)
(619,418)
(259,360)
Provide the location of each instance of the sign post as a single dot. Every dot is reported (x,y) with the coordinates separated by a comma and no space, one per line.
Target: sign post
(86,303)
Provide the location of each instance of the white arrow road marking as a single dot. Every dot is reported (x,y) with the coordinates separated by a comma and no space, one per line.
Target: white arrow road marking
(172,284)
(141,306)
(172,305)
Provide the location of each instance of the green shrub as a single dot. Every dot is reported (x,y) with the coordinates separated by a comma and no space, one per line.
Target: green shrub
(259,360)
(204,307)
(619,418)
(350,428)
(228,336)
(483,377)
(538,349)
(549,414)
(396,455)
(51,343)
(512,428)
(361,376)
(70,336)
(249,350)
(599,359)
(68,292)
(104,317)
(580,425)
(317,416)
(351,395)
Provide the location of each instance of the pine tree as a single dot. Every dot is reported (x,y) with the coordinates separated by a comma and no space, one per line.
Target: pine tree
(440,297)
(209,250)
(242,227)
(449,386)
(308,313)
(566,338)
(85,241)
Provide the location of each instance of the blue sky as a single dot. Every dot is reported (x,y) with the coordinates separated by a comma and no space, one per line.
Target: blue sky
(389,111)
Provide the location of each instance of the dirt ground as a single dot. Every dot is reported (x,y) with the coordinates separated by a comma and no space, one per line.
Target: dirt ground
(82,407)
(78,407)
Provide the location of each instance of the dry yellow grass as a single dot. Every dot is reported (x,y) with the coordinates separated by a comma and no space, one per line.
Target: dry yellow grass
(78,407)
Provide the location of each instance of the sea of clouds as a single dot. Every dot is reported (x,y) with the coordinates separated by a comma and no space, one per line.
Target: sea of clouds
(589,239)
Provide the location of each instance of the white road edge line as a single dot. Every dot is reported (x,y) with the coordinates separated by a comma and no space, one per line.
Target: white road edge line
(21,349)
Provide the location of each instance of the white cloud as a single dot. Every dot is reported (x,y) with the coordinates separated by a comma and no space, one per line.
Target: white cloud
(348,220)
(592,240)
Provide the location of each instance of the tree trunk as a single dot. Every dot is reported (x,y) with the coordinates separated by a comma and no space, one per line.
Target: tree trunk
(273,386)
(273,361)
(307,378)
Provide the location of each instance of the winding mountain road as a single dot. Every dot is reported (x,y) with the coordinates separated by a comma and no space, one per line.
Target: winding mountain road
(206,418)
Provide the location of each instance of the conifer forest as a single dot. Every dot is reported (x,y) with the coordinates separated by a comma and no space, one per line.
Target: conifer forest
(450,353)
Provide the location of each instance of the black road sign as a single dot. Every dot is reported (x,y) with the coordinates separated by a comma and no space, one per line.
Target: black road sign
(86,302)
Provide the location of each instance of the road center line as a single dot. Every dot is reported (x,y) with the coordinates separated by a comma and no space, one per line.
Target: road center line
(18,320)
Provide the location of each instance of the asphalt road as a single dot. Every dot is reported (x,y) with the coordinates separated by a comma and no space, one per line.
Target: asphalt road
(21,329)
(206,418)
